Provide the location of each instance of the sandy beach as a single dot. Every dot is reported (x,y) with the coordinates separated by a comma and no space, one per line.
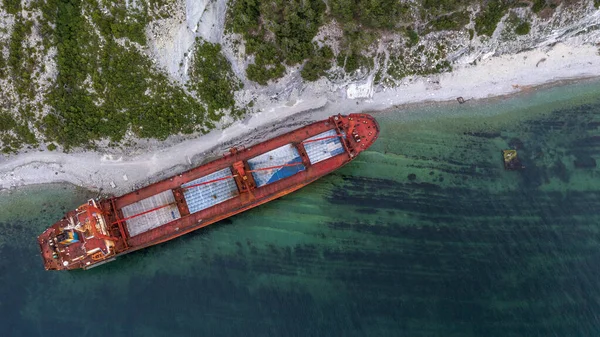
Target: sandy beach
(119,173)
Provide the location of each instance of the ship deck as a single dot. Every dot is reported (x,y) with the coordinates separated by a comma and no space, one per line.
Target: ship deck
(241,180)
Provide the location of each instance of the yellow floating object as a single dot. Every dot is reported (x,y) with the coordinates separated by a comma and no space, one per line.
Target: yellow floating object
(511,160)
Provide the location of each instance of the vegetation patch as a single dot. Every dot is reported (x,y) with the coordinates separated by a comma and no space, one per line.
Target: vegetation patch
(453,21)
(523,28)
(104,89)
(443,15)
(487,20)
(2,63)
(380,68)
(362,21)
(413,37)
(104,86)
(123,19)
(11,6)
(7,122)
(14,133)
(416,61)
(538,5)
(20,60)
(354,61)
(212,78)
(276,33)
(317,65)
(378,14)
(438,7)
(515,25)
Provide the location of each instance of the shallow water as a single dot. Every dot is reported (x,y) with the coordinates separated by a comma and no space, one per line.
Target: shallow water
(424,235)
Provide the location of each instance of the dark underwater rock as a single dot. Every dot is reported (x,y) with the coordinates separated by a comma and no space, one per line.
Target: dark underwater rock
(482,134)
(584,162)
(560,170)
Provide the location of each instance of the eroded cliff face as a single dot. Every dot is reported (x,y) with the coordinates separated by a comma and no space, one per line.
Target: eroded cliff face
(394,61)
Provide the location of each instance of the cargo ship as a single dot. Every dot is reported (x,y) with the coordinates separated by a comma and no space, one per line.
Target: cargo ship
(101,230)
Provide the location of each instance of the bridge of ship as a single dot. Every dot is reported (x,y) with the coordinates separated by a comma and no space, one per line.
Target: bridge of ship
(227,183)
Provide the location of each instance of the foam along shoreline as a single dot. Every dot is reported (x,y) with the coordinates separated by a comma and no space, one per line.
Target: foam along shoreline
(116,174)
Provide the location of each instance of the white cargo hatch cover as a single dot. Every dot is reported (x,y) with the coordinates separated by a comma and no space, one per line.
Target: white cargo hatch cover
(157,218)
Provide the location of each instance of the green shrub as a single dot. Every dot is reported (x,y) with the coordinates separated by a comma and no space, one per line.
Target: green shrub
(122,21)
(446,5)
(276,33)
(487,20)
(51,147)
(454,21)
(212,78)
(2,66)
(363,20)
(262,74)
(523,28)
(14,133)
(356,39)
(538,5)
(125,91)
(413,37)
(24,134)
(376,14)
(353,62)
(316,66)
(12,6)
(7,122)
(21,62)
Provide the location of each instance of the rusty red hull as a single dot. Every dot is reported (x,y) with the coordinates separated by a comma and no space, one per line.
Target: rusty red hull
(99,231)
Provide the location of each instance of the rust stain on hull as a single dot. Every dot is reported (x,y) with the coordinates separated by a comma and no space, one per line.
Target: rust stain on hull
(99,231)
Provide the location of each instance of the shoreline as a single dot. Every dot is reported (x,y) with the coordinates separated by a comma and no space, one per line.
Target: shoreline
(498,77)
(490,99)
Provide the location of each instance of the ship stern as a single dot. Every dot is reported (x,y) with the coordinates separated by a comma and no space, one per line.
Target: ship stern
(81,239)
(49,249)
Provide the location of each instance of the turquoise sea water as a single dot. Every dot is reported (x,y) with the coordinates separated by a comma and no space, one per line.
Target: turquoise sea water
(424,235)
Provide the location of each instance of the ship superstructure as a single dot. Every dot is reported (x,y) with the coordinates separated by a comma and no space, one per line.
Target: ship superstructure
(99,231)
